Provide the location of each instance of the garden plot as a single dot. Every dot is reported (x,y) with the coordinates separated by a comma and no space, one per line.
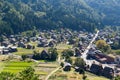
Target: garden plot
(1,66)
(72,75)
(43,69)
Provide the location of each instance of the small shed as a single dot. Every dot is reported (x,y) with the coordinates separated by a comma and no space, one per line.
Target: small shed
(67,66)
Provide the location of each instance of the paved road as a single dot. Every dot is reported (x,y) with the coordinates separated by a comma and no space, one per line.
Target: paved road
(84,54)
(89,62)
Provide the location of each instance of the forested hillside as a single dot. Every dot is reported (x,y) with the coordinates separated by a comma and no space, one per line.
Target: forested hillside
(21,15)
(109,10)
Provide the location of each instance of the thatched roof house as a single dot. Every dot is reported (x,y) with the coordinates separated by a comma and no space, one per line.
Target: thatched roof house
(96,69)
(108,72)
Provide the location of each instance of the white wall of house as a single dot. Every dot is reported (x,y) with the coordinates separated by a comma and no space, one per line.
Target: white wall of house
(1,52)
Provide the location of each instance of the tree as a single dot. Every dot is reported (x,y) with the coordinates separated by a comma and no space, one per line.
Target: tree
(1,38)
(53,54)
(117,78)
(116,44)
(103,46)
(100,44)
(29,33)
(24,57)
(107,48)
(27,74)
(36,56)
(81,71)
(62,64)
(84,77)
(67,53)
(69,60)
(6,76)
(79,62)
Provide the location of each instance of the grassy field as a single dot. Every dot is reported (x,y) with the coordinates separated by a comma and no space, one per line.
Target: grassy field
(63,46)
(15,67)
(23,51)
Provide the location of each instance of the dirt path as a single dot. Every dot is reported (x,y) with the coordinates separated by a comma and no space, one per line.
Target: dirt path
(48,76)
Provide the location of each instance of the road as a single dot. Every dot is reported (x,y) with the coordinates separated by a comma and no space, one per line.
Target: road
(90,62)
(84,54)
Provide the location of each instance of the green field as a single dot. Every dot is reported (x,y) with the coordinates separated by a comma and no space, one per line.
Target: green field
(15,67)
(23,51)
(1,66)
(61,47)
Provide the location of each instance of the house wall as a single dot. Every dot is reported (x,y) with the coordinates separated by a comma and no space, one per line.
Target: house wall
(1,52)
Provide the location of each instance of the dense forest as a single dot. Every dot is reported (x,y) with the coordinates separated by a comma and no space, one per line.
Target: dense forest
(108,9)
(21,15)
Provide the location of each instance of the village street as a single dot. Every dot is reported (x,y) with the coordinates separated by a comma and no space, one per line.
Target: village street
(84,54)
(90,62)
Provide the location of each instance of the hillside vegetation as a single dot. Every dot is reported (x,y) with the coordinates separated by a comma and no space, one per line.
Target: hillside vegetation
(21,15)
(108,9)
